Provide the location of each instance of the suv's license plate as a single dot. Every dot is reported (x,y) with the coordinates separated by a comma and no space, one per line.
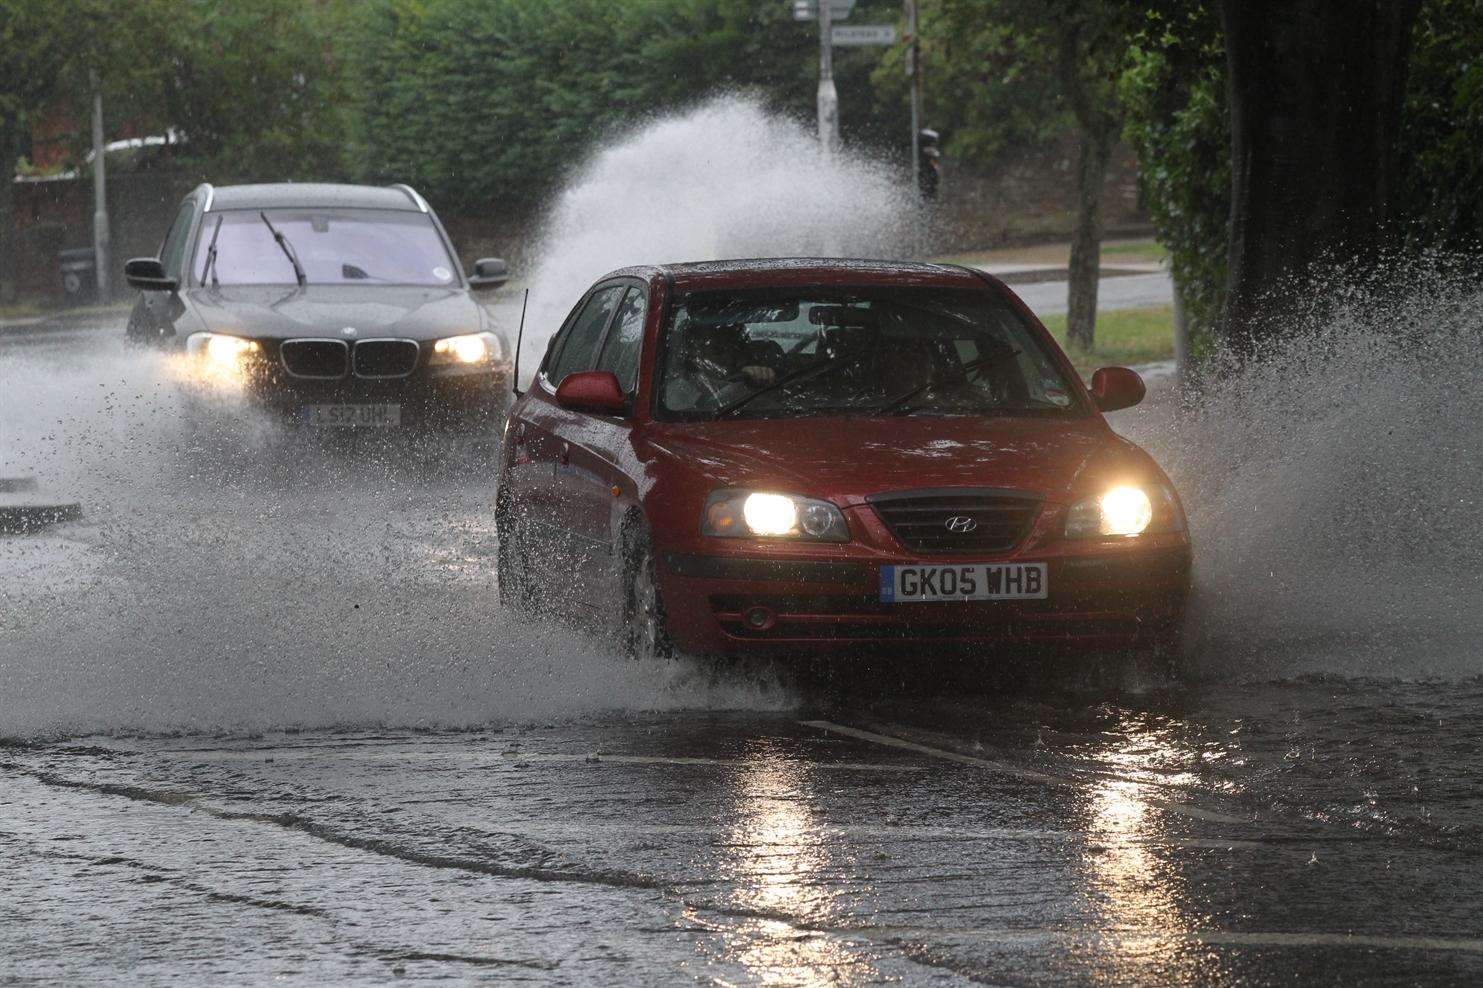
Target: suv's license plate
(373,416)
(977,581)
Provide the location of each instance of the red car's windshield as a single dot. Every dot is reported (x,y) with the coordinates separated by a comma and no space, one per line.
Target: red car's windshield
(334,247)
(855,351)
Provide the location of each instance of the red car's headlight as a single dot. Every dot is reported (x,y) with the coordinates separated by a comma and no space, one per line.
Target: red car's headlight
(1123,512)
(733,513)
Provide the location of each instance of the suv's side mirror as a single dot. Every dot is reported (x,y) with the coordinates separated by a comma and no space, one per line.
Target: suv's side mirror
(489,272)
(592,391)
(1117,387)
(148,275)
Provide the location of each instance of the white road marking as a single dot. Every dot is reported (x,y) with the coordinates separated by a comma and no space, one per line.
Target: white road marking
(906,832)
(1215,938)
(922,749)
(1008,768)
(599,758)
(508,757)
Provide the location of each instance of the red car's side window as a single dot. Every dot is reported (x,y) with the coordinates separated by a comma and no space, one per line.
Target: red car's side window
(620,354)
(578,350)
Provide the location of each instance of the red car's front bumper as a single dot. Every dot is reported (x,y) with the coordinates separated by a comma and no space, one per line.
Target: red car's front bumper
(826,597)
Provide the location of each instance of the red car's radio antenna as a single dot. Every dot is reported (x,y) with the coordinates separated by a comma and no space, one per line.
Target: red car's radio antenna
(519,335)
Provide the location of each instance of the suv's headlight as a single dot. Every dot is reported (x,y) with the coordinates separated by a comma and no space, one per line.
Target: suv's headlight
(1123,512)
(472,348)
(219,350)
(748,514)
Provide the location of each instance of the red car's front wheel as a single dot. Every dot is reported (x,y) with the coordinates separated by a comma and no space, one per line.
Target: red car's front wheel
(644,632)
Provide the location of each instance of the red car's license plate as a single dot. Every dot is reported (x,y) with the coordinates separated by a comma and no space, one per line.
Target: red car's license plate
(973,581)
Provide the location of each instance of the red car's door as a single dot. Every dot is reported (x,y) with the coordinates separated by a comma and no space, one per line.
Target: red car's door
(590,453)
(554,493)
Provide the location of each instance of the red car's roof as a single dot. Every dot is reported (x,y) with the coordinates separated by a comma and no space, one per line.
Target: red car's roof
(765,272)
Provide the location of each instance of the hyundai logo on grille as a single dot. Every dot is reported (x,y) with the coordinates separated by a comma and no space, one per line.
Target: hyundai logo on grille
(961,524)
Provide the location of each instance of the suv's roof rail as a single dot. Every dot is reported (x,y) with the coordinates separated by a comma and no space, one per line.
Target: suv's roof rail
(412,194)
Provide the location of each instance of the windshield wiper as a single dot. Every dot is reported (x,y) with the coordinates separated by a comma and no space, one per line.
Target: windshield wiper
(211,254)
(802,374)
(287,248)
(901,400)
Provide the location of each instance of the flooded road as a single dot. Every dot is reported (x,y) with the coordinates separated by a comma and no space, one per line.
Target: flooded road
(262,718)
(1246,835)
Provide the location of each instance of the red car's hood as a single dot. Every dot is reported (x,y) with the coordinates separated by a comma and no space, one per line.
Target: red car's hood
(846,459)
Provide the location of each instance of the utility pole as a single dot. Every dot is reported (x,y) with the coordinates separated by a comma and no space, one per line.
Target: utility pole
(100,197)
(914,69)
(828,95)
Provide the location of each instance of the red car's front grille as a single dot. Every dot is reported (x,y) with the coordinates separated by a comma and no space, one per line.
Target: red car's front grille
(958,520)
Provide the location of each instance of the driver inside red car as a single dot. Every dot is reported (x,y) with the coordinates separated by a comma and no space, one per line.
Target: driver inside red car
(717,366)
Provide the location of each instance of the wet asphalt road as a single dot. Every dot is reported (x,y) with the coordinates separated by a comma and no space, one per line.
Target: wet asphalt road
(243,745)
(994,839)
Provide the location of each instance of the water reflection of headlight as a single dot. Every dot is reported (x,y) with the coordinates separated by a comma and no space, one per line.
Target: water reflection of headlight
(1137,889)
(780,865)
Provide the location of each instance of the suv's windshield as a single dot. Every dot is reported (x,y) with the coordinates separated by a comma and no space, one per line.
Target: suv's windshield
(852,352)
(335,246)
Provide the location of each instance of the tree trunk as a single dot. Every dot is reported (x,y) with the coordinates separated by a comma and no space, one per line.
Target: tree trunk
(1315,93)
(1086,244)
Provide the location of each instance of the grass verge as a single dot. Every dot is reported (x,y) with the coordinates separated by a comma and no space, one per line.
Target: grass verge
(1123,337)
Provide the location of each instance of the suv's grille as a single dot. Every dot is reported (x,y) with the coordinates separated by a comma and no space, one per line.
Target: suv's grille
(384,358)
(315,358)
(958,519)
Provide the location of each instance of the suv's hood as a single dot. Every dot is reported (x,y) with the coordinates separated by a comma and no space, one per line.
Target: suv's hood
(847,459)
(265,312)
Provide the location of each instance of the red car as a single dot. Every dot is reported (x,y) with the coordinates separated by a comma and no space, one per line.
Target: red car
(785,456)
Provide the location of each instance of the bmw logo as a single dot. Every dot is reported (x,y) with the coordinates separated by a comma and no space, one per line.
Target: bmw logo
(348,331)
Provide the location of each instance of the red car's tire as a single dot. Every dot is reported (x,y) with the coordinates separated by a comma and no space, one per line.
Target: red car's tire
(645,635)
(516,588)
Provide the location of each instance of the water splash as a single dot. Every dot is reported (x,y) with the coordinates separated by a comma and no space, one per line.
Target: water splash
(726,179)
(1335,487)
(271,583)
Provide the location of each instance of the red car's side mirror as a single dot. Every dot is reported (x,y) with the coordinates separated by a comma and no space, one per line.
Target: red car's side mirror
(1117,387)
(592,391)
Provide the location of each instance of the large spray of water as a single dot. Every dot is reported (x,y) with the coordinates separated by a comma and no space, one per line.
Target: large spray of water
(1336,488)
(726,179)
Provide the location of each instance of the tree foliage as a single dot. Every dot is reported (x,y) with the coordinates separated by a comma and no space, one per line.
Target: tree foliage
(258,87)
(253,85)
(1179,126)
(475,101)
(981,92)
(1440,200)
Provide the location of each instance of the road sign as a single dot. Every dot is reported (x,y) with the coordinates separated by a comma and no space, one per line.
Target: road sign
(865,34)
(808,10)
